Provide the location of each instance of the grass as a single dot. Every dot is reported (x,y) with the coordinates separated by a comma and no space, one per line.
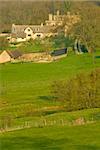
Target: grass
(31,83)
(26,87)
(56,118)
(31,47)
(84,137)
(28,82)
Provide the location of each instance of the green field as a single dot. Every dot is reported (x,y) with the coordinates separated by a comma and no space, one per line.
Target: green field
(26,98)
(50,105)
(53,138)
(27,82)
(27,86)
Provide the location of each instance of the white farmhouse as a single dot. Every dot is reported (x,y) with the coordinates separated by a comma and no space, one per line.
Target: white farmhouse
(21,33)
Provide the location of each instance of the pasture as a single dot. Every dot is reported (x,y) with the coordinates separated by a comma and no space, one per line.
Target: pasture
(26,97)
(85,137)
(28,85)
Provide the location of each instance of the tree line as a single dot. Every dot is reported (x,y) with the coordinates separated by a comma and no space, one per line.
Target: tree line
(26,12)
(35,12)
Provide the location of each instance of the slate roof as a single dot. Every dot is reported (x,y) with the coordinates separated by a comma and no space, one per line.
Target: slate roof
(14,53)
(19,30)
(59,52)
(19,34)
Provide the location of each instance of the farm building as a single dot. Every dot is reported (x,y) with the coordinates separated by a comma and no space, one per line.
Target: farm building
(25,32)
(36,57)
(20,33)
(59,52)
(7,56)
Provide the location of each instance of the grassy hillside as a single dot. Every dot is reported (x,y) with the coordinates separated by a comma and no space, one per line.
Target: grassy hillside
(53,138)
(26,82)
(26,87)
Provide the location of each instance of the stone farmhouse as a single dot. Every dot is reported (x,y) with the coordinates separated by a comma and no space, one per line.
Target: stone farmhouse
(21,33)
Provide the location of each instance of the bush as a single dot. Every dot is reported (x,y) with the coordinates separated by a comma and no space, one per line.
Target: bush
(6,122)
(60,41)
(80,92)
(3,43)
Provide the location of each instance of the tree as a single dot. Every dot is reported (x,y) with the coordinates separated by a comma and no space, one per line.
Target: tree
(79,92)
(88,28)
(67,5)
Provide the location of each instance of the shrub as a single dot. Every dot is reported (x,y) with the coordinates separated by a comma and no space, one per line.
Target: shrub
(6,121)
(3,43)
(61,41)
(80,92)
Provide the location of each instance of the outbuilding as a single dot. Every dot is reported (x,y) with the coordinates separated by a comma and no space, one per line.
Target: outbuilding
(59,52)
(9,55)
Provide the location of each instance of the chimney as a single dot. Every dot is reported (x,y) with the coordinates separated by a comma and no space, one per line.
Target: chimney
(42,24)
(13,30)
(57,12)
(13,25)
(50,17)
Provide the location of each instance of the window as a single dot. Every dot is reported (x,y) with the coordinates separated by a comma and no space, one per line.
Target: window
(28,29)
(37,29)
(29,34)
(38,35)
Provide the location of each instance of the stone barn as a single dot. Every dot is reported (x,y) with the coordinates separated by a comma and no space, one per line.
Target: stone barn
(7,56)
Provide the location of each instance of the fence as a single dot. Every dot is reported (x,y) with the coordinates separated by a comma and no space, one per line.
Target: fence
(47,123)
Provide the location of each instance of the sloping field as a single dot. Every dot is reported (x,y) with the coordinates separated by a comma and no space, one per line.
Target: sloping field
(28,82)
(84,137)
(27,86)
(26,98)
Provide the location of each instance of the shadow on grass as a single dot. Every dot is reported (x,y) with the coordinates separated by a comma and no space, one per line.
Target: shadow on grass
(87,147)
(42,143)
(27,143)
(47,98)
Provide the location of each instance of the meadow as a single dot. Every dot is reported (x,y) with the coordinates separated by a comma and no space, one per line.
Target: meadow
(30,119)
(85,137)
(26,98)
(29,84)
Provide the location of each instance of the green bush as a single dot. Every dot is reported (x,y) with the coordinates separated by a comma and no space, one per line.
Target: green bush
(60,41)
(80,92)
(3,43)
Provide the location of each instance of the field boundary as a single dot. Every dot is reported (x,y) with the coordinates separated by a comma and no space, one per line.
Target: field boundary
(47,123)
